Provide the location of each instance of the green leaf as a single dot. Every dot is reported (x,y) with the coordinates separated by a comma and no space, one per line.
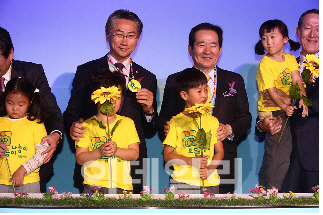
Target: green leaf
(295,92)
(208,140)
(307,101)
(107,107)
(101,124)
(115,126)
(306,75)
(201,138)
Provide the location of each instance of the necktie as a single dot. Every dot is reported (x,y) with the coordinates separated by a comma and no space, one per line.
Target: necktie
(208,90)
(2,84)
(119,66)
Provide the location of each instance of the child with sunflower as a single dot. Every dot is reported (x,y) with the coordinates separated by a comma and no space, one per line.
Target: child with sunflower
(183,144)
(277,70)
(110,141)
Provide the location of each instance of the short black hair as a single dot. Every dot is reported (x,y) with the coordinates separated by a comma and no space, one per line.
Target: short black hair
(106,78)
(205,26)
(123,14)
(189,78)
(5,43)
(301,18)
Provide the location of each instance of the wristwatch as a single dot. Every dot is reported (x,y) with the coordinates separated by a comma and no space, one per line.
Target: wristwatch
(258,126)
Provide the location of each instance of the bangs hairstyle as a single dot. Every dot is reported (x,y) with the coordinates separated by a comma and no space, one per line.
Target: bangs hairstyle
(268,27)
(189,78)
(106,78)
(38,107)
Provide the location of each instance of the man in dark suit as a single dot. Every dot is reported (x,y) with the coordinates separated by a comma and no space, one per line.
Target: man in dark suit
(303,173)
(10,68)
(123,29)
(231,106)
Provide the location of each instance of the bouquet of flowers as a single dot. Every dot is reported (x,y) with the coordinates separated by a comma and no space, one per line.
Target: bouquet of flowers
(311,69)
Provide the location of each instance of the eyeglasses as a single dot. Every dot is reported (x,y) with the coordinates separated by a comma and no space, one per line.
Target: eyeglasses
(121,36)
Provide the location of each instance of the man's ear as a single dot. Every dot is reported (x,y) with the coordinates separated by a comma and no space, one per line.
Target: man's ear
(183,94)
(189,50)
(298,32)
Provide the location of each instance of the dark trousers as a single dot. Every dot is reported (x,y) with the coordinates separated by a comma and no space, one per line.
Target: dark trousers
(225,188)
(276,159)
(298,179)
(45,174)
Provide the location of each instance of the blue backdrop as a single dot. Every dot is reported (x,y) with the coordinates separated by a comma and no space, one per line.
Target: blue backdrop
(63,34)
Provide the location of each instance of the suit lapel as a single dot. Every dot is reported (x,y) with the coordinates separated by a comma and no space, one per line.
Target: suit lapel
(219,90)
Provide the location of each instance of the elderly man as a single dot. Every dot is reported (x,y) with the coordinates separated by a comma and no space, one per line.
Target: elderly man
(122,30)
(303,173)
(10,68)
(231,107)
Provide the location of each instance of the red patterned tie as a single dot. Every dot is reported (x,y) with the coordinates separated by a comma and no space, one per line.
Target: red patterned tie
(2,84)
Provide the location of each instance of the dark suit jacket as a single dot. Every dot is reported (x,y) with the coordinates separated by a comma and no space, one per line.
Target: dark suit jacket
(35,74)
(306,129)
(81,106)
(232,110)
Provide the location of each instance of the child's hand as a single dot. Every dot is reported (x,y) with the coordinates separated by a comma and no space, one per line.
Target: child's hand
(199,162)
(203,173)
(290,110)
(305,108)
(3,149)
(18,176)
(108,148)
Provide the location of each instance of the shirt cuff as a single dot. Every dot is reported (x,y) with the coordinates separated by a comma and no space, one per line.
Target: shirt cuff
(149,117)
(258,126)
(57,131)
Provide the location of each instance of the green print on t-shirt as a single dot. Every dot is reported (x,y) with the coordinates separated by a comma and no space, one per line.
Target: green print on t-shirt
(286,77)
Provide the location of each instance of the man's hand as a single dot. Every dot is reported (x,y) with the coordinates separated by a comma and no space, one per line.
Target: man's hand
(166,128)
(77,130)
(270,103)
(271,124)
(52,140)
(223,131)
(145,98)
(3,149)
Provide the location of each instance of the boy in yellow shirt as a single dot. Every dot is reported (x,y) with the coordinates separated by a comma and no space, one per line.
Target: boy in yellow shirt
(191,171)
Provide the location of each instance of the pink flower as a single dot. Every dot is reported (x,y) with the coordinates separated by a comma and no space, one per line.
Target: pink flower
(142,192)
(252,190)
(314,188)
(146,189)
(188,196)
(152,190)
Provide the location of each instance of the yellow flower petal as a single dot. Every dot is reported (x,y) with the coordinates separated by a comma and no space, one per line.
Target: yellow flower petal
(105,94)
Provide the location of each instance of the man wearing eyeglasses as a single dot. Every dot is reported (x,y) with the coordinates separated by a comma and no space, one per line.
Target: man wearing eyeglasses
(122,30)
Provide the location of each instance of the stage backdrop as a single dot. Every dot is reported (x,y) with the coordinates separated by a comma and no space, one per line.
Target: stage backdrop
(63,34)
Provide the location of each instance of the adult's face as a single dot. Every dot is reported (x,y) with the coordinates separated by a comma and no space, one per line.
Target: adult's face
(120,46)
(206,50)
(5,63)
(309,34)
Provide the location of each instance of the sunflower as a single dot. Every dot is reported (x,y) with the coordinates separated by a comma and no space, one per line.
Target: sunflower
(312,64)
(105,94)
(200,108)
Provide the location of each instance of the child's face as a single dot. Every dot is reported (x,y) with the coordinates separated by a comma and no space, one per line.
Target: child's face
(17,105)
(274,42)
(116,103)
(196,95)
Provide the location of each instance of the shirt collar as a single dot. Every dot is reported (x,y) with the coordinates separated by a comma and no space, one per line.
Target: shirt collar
(126,63)
(7,75)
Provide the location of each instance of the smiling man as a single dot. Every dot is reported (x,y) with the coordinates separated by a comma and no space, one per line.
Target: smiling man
(227,94)
(123,30)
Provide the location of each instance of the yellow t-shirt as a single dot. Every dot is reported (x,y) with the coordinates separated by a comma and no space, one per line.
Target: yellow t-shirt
(21,136)
(275,74)
(98,172)
(181,137)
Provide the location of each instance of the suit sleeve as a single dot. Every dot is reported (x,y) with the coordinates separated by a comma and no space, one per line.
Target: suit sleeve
(55,118)
(73,111)
(150,127)
(242,117)
(168,107)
